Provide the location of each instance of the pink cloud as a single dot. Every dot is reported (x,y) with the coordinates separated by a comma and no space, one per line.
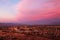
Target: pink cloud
(32,10)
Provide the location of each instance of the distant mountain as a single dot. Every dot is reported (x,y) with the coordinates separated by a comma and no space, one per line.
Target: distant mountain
(9,24)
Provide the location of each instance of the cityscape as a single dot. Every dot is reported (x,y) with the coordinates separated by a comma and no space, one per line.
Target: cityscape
(29,32)
(29,19)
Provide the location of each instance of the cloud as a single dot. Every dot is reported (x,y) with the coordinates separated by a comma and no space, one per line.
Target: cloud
(32,10)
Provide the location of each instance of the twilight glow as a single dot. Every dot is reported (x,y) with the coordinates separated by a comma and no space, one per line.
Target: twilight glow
(30,11)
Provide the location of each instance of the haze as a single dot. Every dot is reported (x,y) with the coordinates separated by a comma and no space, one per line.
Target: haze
(31,11)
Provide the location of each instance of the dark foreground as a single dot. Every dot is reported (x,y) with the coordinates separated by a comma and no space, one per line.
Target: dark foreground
(29,32)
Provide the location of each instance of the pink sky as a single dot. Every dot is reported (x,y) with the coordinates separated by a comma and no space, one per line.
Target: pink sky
(38,9)
(34,10)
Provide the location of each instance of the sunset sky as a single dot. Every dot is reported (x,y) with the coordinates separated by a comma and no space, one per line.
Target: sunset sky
(30,11)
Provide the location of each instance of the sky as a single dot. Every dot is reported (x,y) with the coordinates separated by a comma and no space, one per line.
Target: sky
(7,10)
(43,12)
